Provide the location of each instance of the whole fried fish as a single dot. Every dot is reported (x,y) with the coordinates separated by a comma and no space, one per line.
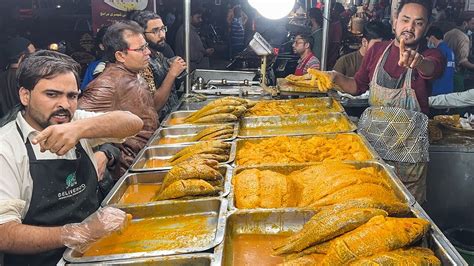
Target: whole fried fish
(319,229)
(380,234)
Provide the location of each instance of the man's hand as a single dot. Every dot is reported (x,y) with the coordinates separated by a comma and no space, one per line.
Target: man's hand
(209,51)
(79,236)
(101,161)
(409,58)
(58,139)
(177,67)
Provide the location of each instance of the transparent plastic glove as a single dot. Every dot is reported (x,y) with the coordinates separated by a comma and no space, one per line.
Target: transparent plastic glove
(78,236)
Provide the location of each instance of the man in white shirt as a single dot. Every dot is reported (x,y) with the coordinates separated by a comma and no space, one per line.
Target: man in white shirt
(48,181)
(453,100)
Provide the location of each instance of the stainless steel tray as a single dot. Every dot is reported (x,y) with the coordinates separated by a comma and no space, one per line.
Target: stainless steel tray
(216,208)
(183,132)
(198,259)
(363,140)
(400,190)
(165,152)
(291,125)
(327,102)
(273,222)
(155,177)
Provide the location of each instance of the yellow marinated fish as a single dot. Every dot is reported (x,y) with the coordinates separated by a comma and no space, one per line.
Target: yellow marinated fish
(190,171)
(319,229)
(380,234)
(409,256)
(188,187)
(374,191)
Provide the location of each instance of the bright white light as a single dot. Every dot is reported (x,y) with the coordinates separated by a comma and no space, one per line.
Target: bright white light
(253,3)
(273,9)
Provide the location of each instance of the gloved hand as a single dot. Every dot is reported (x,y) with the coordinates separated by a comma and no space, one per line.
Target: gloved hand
(78,236)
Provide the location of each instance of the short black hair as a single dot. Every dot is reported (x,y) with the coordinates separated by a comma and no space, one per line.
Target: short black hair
(436,32)
(307,39)
(374,30)
(114,37)
(316,14)
(197,10)
(427,4)
(142,17)
(45,64)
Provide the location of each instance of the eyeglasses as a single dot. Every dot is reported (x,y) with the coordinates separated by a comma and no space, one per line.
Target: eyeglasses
(157,30)
(140,50)
(299,42)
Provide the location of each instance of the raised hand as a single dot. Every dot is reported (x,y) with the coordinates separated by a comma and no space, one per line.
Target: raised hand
(409,58)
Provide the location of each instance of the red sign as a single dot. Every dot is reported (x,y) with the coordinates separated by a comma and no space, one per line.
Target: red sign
(104,12)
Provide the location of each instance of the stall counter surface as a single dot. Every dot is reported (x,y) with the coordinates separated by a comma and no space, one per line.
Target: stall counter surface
(450,256)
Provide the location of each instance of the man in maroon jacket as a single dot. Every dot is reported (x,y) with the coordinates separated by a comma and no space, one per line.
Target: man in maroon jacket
(397,73)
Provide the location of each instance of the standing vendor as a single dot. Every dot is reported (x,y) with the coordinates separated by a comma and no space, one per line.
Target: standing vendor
(303,46)
(48,180)
(398,73)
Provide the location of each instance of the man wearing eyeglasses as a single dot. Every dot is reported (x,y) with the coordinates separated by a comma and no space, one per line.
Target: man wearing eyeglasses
(120,87)
(303,46)
(162,72)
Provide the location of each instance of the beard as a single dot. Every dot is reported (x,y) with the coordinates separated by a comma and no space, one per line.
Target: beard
(46,122)
(157,46)
(412,42)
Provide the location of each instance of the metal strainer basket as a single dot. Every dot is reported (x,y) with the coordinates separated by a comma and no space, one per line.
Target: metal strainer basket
(396,134)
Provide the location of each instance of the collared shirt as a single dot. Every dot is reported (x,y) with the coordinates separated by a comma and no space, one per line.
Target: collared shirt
(311,62)
(16,183)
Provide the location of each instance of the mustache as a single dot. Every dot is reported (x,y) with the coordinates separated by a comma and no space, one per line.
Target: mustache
(61,112)
(407,32)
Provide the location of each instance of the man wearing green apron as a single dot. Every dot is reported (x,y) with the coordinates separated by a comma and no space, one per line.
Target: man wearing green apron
(48,180)
(398,73)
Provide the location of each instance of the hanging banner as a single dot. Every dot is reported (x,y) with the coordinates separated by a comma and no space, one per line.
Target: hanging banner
(104,12)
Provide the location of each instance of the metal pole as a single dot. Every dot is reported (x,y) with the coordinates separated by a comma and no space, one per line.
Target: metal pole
(187,23)
(324,47)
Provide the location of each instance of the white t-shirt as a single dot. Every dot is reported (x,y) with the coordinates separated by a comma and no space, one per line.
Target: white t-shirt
(16,183)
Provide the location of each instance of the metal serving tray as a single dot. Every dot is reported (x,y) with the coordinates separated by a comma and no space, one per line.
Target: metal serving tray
(291,125)
(327,102)
(291,220)
(197,259)
(182,114)
(166,152)
(183,132)
(215,207)
(155,177)
(400,190)
(363,140)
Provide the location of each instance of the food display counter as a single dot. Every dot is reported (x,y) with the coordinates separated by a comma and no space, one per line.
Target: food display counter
(198,227)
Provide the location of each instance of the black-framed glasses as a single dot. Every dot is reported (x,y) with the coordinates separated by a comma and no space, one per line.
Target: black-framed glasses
(140,50)
(157,30)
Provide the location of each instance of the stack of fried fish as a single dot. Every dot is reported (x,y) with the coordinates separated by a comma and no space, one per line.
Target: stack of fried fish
(212,150)
(314,78)
(196,177)
(223,110)
(214,133)
(358,236)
